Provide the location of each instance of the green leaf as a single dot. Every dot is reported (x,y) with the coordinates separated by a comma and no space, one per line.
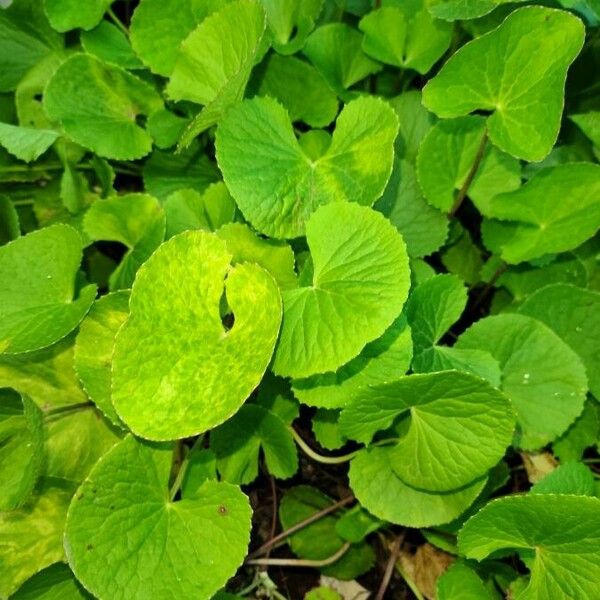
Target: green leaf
(47,376)
(517,75)
(290,22)
(461,582)
(381,360)
(542,376)
(158,28)
(135,220)
(569,478)
(446,157)
(462,257)
(75,440)
(94,347)
(320,540)
(25,38)
(214,62)
(385,495)
(326,428)
(574,315)
(356,524)
(187,209)
(323,593)
(9,221)
(433,307)
(403,34)
(201,467)
(108,43)
(98,105)
(37,285)
(358,288)
(186,549)
(415,122)
(556,210)
(589,123)
(453,10)
(336,51)
(423,227)
(582,434)
(300,88)
(71,14)
(446,414)
(31,537)
(56,582)
(240,440)
(165,173)
(277,186)
(274,256)
(563,533)
(25,143)
(179,382)
(21,448)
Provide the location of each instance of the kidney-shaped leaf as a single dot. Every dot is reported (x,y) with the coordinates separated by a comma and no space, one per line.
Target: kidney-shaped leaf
(562,530)
(359,286)
(518,72)
(177,371)
(449,413)
(277,186)
(98,104)
(184,549)
(70,14)
(556,210)
(37,284)
(542,376)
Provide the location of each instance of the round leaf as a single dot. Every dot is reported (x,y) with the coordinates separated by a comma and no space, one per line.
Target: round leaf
(125,539)
(542,376)
(448,413)
(359,286)
(385,495)
(176,370)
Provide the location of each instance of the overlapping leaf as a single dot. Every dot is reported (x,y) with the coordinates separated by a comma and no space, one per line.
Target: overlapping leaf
(277,186)
(518,77)
(181,381)
(447,414)
(562,531)
(359,285)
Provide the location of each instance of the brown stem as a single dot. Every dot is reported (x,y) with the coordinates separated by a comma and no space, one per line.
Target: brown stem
(300,562)
(304,523)
(462,193)
(389,567)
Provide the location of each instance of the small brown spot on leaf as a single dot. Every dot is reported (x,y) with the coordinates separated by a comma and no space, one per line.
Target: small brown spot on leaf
(223,510)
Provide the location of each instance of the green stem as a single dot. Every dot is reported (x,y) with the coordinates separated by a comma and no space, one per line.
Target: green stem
(117,21)
(462,193)
(326,460)
(181,472)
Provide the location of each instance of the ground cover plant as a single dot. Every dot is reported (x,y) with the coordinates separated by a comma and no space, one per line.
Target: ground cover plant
(299,299)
